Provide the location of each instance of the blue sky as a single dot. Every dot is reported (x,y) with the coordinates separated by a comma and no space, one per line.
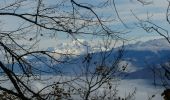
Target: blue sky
(156,11)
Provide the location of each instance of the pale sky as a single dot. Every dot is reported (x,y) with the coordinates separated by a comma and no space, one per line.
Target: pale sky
(156,11)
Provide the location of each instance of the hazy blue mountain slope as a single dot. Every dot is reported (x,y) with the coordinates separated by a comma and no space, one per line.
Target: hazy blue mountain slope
(138,57)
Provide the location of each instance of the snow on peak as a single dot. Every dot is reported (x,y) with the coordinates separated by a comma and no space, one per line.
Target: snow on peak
(153,45)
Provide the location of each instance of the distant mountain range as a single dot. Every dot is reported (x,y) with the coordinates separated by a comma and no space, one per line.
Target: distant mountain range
(149,53)
(140,58)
